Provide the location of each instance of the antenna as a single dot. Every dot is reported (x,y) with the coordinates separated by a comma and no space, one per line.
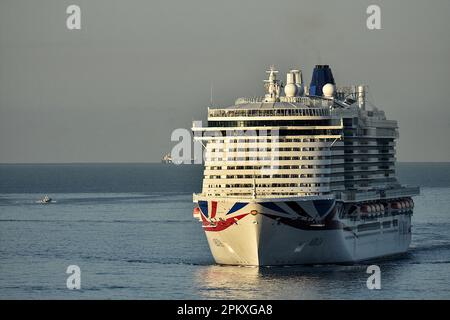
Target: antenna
(254,186)
(272,86)
(211,94)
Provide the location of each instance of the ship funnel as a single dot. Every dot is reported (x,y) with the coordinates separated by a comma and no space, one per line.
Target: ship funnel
(298,79)
(321,76)
(290,78)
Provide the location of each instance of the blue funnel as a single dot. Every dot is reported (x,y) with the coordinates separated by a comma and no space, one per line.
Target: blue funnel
(321,76)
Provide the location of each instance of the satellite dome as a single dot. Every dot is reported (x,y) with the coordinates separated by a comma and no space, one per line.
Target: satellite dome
(290,90)
(328,90)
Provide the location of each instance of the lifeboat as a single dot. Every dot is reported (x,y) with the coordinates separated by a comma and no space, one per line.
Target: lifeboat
(380,209)
(410,205)
(45,200)
(370,211)
(396,205)
(374,210)
(365,210)
(381,212)
(404,207)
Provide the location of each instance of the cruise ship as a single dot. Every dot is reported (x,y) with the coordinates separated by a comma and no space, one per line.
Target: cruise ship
(304,177)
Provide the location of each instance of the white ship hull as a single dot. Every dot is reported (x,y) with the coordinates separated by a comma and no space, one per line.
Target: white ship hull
(259,235)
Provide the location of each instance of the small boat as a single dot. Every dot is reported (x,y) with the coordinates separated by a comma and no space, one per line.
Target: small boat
(45,199)
(167,158)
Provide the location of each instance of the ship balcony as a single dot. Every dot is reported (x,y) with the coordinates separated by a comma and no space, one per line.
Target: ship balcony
(269,144)
(369,168)
(226,162)
(376,135)
(321,109)
(267,128)
(362,161)
(366,176)
(270,171)
(273,154)
(268,181)
(266,191)
(369,143)
(368,152)
(246,139)
(353,196)
(404,191)
(392,124)
(337,178)
(355,142)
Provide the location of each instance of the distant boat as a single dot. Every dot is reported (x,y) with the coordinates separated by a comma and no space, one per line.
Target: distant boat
(167,159)
(45,200)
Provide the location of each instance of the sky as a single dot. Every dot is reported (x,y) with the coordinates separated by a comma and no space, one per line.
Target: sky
(116,89)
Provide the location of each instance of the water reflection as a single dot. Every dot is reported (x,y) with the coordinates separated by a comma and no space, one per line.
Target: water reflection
(293,282)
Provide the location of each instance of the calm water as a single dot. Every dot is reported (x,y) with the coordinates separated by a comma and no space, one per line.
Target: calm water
(129,228)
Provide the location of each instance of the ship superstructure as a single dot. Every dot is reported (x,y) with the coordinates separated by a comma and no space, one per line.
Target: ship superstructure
(304,177)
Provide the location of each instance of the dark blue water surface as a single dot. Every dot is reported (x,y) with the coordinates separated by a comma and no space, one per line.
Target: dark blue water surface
(129,228)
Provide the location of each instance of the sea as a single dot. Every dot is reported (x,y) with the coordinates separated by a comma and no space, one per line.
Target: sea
(130,231)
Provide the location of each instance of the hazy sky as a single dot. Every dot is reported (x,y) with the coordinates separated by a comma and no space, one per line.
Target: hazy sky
(114,90)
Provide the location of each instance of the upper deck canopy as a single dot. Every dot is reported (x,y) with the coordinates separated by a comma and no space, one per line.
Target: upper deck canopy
(300,103)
